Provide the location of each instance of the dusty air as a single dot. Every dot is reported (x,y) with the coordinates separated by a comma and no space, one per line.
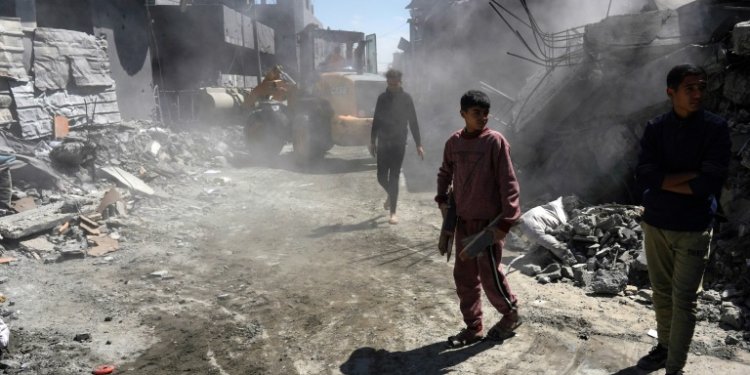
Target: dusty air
(242,187)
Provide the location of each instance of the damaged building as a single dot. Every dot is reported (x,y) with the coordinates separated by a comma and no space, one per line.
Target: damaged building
(100,62)
(575,120)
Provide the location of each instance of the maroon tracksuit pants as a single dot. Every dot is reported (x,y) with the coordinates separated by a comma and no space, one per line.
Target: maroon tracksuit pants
(483,272)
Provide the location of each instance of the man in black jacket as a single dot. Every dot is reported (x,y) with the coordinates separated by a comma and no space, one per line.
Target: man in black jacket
(682,166)
(393,111)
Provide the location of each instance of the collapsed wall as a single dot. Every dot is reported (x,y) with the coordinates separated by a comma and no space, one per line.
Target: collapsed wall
(576,131)
(576,127)
(71,78)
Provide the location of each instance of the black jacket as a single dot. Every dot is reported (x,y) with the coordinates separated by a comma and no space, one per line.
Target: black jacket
(670,145)
(393,111)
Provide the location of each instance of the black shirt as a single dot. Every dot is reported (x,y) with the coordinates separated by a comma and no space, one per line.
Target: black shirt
(700,144)
(394,109)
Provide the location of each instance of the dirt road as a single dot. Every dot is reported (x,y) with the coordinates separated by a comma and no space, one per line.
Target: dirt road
(275,270)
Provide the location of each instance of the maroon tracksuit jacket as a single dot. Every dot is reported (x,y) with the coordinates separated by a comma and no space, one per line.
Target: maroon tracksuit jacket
(485,186)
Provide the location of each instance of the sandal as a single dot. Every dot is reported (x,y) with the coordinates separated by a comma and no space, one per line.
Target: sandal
(465,337)
(506,327)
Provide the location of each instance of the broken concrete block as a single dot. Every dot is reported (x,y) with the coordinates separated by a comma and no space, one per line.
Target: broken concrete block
(591,264)
(732,316)
(39,244)
(646,294)
(741,38)
(530,269)
(24,204)
(104,245)
(567,272)
(733,339)
(735,87)
(711,296)
(33,221)
(72,153)
(578,269)
(159,274)
(550,274)
(609,282)
(128,180)
(641,264)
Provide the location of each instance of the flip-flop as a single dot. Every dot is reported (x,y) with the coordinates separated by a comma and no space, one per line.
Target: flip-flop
(454,342)
(497,333)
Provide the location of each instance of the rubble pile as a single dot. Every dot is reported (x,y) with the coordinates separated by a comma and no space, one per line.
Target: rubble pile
(147,151)
(727,276)
(606,241)
(597,134)
(85,213)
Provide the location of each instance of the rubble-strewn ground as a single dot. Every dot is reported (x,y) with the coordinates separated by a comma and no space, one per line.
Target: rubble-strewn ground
(276,270)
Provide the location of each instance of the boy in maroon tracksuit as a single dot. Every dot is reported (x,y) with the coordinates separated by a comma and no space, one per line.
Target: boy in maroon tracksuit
(477,162)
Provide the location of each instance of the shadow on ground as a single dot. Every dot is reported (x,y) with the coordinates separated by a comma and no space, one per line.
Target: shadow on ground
(286,161)
(344,228)
(432,359)
(633,370)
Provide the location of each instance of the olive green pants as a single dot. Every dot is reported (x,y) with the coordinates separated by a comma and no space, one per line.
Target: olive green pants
(676,262)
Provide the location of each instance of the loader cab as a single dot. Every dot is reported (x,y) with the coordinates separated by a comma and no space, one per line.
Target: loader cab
(351,94)
(325,51)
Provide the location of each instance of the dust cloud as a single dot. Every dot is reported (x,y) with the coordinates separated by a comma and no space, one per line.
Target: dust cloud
(462,45)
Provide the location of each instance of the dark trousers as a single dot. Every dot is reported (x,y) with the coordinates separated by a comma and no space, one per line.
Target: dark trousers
(485,272)
(390,156)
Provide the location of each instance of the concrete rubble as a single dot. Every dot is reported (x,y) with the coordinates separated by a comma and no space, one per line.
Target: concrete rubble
(600,130)
(606,242)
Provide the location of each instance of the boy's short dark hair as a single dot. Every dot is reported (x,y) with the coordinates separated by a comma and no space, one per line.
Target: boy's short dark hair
(679,72)
(474,98)
(393,73)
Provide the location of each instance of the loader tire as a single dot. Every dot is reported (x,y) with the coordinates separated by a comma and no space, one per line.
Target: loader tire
(267,130)
(311,130)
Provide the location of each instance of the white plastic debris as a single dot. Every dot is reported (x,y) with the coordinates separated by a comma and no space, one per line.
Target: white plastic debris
(4,334)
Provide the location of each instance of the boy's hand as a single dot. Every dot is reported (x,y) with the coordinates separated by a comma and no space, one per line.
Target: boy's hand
(443,209)
(371,148)
(420,152)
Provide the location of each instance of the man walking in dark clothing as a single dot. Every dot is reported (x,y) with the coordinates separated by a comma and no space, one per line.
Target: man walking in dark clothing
(682,166)
(393,112)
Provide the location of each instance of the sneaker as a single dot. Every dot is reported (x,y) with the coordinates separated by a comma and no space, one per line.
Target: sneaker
(467,336)
(506,327)
(387,204)
(655,359)
(393,220)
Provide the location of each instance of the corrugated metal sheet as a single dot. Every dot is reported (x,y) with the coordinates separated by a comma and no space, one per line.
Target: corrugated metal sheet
(238,29)
(266,39)
(35,121)
(11,49)
(60,54)
(6,117)
(100,108)
(35,113)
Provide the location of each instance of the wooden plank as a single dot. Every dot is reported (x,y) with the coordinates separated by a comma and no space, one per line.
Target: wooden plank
(104,245)
(89,230)
(89,222)
(24,204)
